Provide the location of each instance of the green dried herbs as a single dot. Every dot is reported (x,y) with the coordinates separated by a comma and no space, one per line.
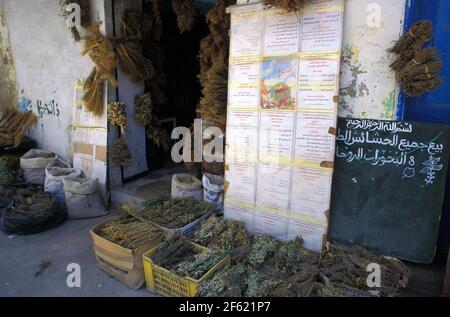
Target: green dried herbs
(184,259)
(174,213)
(33,201)
(222,234)
(7,172)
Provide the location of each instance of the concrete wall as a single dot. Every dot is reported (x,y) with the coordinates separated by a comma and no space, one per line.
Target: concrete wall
(47,63)
(368,86)
(8,95)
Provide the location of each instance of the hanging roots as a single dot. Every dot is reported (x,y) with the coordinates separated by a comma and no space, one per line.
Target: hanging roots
(119,153)
(186,14)
(85,15)
(288,5)
(117,115)
(420,33)
(417,68)
(143,113)
(93,93)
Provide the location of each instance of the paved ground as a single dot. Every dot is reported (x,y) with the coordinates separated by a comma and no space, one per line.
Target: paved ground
(22,256)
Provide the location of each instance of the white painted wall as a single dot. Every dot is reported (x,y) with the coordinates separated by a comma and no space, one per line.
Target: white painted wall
(47,62)
(368,86)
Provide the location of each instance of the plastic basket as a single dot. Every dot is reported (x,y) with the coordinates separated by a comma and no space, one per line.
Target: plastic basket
(163,282)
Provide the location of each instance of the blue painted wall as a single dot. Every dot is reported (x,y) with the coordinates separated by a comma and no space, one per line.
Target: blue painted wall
(433,107)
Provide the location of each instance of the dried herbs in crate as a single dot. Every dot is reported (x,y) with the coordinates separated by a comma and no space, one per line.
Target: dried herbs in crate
(182,258)
(174,213)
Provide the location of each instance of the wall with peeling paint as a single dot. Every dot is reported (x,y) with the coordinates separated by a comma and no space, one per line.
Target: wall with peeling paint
(47,63)
(368,86)
(8,96)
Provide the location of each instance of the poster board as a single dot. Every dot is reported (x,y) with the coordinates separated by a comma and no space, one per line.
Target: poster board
(89,139)
(389,186)
(282,112)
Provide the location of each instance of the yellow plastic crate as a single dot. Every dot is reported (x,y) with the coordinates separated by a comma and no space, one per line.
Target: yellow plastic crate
(162,281)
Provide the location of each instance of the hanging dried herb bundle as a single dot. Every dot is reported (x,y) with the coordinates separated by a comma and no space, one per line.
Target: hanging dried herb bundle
(288,5)
(346,267)
(117,115)
(132,62)
(119,153)
(420,33)
(158,135)
(143,114)
(13,124)
(417,68)
(93,92)
(85,15)
(129,232)
(174,213)
(186,12)
(98,48)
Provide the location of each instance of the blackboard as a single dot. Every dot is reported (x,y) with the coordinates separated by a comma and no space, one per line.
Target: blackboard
(388,186)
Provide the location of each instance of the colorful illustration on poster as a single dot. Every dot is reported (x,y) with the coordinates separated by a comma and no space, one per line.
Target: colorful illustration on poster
(278,85)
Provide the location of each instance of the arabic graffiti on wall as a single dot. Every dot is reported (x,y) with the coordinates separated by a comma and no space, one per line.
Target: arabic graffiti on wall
(42,108)
(382,143)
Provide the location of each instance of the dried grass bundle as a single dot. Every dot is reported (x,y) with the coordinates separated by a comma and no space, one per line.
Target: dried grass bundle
(158,135)
(416,37)
(155,15)
(417,88)
(117,115)
(93,92)
(288,5)
(133,62)
(119,153)
(417,68)
(98,48)
(13,124)
(186,12)
(213,105)
(143,113)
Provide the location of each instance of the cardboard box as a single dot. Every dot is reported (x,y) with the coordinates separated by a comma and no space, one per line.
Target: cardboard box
(123,264)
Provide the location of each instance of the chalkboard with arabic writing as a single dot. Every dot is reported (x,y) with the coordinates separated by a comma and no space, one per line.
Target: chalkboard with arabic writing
(388,186)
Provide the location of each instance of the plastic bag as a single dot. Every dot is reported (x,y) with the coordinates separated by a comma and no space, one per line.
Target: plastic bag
(33,165)
(83,199)
(54,173)
(13,222)
(186,185)
(213,190)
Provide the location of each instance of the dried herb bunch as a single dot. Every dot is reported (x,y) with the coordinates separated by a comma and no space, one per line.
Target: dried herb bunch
(129,48)
(129,232)
(345,268)
(119,153)
(186,12)
(174,213)
(416,68)
(143,114)
(271,268)
(13,124)
(222,234)
(33,201)
(288,5)
(98,48)
(85,15)
(117,115)
(181,257)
